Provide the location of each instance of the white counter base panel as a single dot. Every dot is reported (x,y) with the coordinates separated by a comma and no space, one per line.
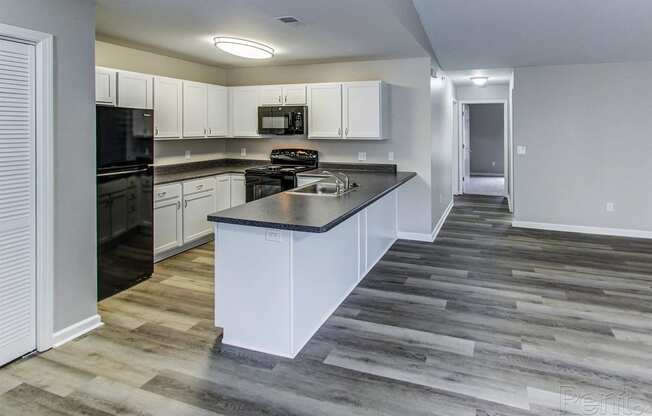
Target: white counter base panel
(275,288)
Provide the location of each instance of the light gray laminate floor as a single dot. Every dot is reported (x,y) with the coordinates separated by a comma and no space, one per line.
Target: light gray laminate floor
(488,320)
(485,185)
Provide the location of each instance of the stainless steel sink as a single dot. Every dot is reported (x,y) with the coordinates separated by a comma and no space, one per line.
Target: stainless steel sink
(322,189)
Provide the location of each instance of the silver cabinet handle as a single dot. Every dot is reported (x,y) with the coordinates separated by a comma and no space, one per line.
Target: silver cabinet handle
(210,131)
(200,186)
(162,194)
(286,99)
(280,100)
(346,132)
(339,131)
(185,203)
(178,205)
(156,131)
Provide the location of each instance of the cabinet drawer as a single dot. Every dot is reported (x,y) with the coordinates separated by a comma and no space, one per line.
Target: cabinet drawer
(165,192)
(199,185)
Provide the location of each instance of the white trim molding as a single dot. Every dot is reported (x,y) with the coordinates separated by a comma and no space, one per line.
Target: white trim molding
(76,330)
(43,43)
(429,238)
(616,232)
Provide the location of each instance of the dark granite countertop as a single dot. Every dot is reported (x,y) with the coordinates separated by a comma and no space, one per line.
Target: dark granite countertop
(311,213)
(194,170)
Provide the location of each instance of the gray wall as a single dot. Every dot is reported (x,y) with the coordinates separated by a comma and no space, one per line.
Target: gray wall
(588,133)
(490,92)
(410,135)
(72,22)
(487,139)
(442,94)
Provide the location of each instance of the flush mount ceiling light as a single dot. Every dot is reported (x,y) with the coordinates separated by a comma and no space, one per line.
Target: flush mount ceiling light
(243,48)
(480,81)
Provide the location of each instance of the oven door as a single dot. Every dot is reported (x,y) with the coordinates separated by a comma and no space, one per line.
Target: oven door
(261,186)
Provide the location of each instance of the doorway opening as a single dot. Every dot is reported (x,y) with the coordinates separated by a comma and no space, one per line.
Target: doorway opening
(483,148)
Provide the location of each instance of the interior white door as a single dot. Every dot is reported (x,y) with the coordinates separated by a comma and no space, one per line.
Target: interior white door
(325,111)
(167,108)
(194,109)
(135,90)
(362,111)
(17,201)
(216,111)
(466,145)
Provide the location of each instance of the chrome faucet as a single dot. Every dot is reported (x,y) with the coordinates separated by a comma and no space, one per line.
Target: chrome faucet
(342,180)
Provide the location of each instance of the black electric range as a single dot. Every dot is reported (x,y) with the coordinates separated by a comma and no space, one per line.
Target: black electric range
(281,175)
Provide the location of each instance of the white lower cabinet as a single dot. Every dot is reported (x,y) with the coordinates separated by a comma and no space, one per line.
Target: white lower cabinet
(168,218)
(181,211)
(238,190)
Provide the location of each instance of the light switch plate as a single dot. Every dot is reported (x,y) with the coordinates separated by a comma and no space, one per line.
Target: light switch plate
(521,150)
(187,154)
(390,156)
(362,156)
(611,207)
(243,151)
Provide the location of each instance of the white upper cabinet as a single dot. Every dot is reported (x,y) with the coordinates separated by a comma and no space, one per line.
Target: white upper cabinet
(325,111)
(194,109)
(271,95)
(168,103)
(363,110)
(216,111)
(105,88)
(244,111)
(294,94)
(283,94)
(135,90)
(204,110)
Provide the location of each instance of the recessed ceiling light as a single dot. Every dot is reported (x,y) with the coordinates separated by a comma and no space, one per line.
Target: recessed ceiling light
(480,81)
(244,48)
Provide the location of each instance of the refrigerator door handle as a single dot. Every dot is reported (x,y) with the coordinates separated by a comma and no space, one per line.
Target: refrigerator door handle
(126,172)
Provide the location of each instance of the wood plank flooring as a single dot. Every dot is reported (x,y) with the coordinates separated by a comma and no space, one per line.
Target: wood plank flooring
(488,320)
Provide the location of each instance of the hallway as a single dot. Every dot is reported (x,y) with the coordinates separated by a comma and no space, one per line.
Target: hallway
(487,320)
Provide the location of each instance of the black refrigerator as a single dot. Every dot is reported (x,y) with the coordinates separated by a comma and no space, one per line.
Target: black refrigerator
(125,180)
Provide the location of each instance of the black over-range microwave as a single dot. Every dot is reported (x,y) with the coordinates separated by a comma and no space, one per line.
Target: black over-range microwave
(282,120)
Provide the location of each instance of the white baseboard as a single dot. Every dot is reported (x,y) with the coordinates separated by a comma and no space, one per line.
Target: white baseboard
(76,330)
(488,174)
(616,232)
(433,235)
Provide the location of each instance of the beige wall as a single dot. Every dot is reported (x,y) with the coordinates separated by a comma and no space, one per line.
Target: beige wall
(409,113)
(130,59)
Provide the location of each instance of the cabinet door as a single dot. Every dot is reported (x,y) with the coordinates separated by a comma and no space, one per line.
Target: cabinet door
(195,210)
(167,107)
(325,111)
(105,89)
(223,192)
(168,225)
(135,90)
(238,190)
(244,110)
(194,109)
(294,95)
(271,95)
(362,110)
(216,111)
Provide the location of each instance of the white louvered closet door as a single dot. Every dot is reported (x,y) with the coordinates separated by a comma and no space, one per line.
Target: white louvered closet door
(17,201)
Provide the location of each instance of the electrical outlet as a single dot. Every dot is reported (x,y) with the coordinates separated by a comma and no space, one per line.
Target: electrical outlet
(273,235)
(390,156)
(243,151)
(521,150)
(441,198)
(493,164)
(611,207)
(362,156)
(187,154)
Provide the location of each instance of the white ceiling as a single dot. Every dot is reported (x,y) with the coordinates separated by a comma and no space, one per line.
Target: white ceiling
(499,76)
(513,33)
(331,30)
